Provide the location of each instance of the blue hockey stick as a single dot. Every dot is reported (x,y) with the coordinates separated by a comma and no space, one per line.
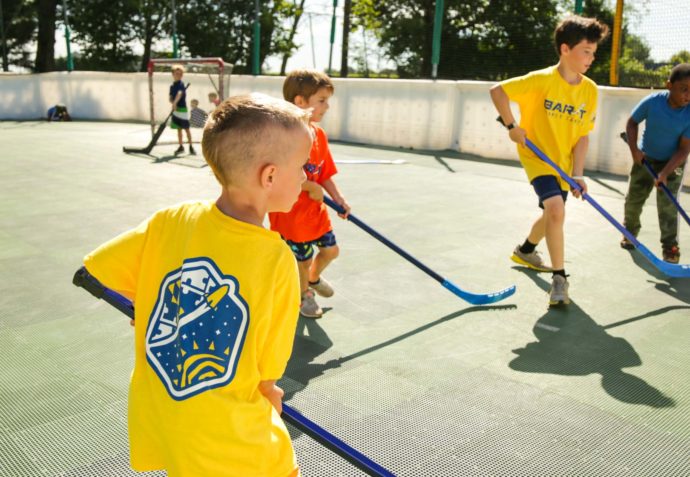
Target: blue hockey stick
(669,269)
(472,298)
(82,278)
(666,190)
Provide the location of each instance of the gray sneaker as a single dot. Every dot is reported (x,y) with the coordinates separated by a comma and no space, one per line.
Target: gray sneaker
(309,308)
(559,291)
(322,287)
(532,260)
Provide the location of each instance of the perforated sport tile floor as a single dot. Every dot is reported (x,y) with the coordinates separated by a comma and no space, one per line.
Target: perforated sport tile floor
(399,368)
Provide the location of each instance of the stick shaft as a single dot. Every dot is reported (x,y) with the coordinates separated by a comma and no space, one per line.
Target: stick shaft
(87,281)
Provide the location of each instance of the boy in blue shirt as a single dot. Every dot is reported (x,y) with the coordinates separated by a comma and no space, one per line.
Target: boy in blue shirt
(665,146)
(180,117)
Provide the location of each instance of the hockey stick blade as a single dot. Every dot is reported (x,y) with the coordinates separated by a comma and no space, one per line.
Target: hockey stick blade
(154,140)
(82,278)
(471,298)
(669,269)
(665,188)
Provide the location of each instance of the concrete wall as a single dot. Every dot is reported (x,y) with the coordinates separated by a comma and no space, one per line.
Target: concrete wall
(417,114)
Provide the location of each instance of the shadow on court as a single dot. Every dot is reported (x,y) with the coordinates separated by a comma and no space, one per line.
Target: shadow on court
(570,343)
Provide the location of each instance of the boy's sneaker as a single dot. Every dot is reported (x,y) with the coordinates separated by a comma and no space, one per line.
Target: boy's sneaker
(559,291)
(179,150)
(322,287)
(309,308)
(627,244)
(191,150)
(532,260)
(671,254)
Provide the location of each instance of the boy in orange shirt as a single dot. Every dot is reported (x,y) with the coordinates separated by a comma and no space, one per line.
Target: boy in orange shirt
(307,224)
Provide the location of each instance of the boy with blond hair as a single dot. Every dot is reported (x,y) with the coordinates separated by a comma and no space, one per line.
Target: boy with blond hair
(557,112)
(307,225)
(216,304)
(180,116)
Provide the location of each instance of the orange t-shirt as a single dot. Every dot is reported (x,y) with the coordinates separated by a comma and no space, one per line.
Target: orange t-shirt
(308,219)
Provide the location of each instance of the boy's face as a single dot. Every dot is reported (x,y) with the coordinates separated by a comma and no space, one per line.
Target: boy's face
(194,103)
(679,93)
(580,57)
(177,75)
(290,174)
(318,102)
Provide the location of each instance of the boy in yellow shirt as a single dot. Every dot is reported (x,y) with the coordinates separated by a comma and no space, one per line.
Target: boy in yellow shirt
(217,300)
(557,112)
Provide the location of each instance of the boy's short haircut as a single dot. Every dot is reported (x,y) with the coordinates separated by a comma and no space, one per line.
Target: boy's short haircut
(177,67)
(679,72)
(574,28)
(212,95)
(305,83)
(194,101)
(241,132)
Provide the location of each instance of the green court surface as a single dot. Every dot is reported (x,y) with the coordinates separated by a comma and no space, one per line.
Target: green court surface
(399,368)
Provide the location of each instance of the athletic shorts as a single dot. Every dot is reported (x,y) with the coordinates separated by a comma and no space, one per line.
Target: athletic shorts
(180,119)
(547,187)
(305,250)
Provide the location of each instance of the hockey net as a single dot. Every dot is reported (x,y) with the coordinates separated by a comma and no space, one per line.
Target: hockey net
(204,75)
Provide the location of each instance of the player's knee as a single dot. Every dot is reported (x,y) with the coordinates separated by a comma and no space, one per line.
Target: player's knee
(330,253)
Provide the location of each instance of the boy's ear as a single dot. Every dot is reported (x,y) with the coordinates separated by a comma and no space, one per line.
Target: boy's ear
(267,175)
(301,101)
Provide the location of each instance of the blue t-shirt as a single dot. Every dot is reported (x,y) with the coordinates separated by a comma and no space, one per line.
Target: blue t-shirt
(665,125)
(174,88)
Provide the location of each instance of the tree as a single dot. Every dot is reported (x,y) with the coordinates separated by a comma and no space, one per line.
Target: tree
(148,25)
(45,48)
(225,29)
(104,30)
(294,11)
(480,39)
(19,25)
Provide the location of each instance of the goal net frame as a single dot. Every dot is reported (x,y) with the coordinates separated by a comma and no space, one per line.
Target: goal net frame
(211,66)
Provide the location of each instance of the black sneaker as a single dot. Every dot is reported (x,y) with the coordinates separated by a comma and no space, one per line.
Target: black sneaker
(627,244)
(179,150)
(671,254)
(191,150)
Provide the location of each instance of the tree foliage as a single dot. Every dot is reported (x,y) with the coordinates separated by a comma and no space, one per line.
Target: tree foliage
(19,23)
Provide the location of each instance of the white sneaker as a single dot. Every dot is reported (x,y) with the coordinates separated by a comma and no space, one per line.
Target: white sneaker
(531,260)
(559,291)
(322,288)
(309,308)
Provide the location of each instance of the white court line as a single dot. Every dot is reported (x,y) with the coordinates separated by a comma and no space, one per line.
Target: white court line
(547,327)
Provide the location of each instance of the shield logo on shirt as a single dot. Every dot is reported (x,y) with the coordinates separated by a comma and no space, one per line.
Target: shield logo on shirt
(196,329)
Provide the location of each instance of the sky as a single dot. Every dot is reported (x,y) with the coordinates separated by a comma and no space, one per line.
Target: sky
(663,24)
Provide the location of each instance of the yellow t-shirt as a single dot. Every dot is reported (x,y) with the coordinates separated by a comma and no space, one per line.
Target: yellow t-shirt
(216,307)
(555,115)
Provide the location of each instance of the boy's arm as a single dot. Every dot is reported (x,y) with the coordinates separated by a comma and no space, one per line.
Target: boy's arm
(579,153)
(315,191)
(334,192)
(502,104)
(177,98)
(632,128)
(273,393)
(677,159)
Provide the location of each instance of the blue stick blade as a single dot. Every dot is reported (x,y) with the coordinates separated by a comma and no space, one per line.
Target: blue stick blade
(669,269)
(479,298)
(674,270)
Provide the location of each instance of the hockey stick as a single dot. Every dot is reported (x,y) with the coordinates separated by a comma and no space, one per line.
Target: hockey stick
(155,138)
(669,269)
(82,278)
(666,190)
(472,298)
